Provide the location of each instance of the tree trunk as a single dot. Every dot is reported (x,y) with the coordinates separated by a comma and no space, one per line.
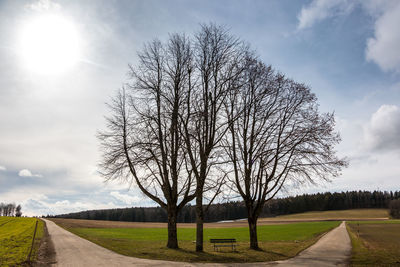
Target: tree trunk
(199,222)
(253,233)
(172,231)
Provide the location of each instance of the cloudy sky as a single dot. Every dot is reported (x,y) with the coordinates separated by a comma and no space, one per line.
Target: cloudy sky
(60,61)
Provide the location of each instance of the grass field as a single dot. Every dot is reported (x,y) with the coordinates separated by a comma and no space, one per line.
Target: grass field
(277,241)
(375,243)
(353,214)
(16,239)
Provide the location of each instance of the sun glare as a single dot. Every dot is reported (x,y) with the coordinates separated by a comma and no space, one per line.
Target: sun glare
(49,44)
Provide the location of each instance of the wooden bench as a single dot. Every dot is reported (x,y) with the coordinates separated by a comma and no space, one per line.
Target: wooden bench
(223,242)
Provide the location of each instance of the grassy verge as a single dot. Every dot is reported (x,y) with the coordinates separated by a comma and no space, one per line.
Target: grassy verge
(276,241)
(16,239)
(375,243)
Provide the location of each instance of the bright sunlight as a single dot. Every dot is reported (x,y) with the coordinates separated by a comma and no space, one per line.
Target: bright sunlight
(49,44)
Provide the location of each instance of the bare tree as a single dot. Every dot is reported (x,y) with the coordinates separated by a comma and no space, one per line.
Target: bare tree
(8,209)
(218,62)
(192,110)
(144,142)
(277,135)
(18,212)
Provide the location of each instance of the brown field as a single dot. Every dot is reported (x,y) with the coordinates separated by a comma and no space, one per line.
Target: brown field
(340,215)
(77,223)
(375,243)
(335,215)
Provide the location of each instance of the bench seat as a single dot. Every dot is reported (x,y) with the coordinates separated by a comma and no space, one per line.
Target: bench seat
(223,242)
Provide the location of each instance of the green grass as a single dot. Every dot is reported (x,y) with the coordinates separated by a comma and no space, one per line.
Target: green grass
(338,214)
(16,239)
(276,241)
(280,232)
(375,243)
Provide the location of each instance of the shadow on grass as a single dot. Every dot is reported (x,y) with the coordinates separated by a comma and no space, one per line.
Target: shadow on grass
(204,256)
(275,253)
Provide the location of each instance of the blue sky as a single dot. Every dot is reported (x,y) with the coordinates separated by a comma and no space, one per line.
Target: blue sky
(347,51)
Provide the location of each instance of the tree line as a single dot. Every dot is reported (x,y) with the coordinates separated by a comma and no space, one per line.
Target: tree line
(331,201)
(10,209)
(394,209)
(237,209)
(202,115)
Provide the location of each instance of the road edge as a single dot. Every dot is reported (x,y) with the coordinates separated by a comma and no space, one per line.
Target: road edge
(46,254)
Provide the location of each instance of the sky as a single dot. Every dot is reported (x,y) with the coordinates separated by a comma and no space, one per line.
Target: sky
(61,61)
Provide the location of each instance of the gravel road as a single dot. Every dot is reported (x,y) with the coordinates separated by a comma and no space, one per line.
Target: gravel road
(333,249)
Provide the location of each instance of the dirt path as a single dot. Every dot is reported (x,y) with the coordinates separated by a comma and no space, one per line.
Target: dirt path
(332,249)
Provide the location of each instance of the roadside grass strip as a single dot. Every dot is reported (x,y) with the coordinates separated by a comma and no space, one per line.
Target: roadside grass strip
(375,243)
(16,238)
(277,242)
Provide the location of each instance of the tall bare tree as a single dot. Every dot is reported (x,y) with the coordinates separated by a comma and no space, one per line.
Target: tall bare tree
(218,64)
(192,108)
(277,135)
(18,212)
(7,209)
(144,143)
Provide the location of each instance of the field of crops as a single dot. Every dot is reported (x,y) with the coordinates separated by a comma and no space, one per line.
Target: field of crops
(375,243)
(16,239)
(278,241)
(342,215)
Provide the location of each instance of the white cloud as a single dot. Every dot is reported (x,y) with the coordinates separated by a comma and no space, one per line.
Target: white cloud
(44,5)
(382,132)
(59,201)
(38,206)
(319,10)
(127,199)
(383,48)
(2,168)
(28,173)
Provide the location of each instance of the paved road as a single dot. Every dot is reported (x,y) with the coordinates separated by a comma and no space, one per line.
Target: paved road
(333,249)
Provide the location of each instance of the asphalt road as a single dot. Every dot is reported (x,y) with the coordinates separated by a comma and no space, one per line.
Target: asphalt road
(333,249)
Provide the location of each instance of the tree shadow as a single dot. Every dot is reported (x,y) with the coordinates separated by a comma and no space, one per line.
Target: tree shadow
(205,256)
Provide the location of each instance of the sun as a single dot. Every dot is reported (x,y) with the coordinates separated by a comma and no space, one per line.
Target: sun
(49,44)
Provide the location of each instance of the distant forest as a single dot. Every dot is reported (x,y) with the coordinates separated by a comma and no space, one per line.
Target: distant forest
(237,210)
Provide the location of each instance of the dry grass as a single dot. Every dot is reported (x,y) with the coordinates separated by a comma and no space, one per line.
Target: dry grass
(77,223)
(336,215)
(333,215)
(375,243)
